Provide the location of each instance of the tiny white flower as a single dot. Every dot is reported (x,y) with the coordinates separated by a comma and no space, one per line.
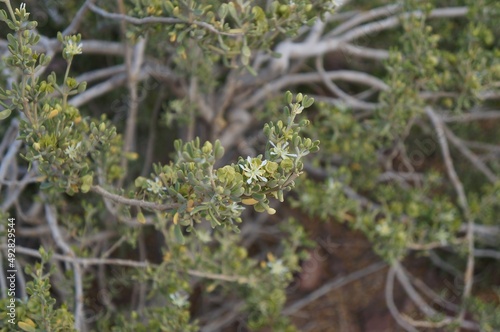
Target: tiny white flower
(179,299)
(442,237)
(23,6)
(73,48)
(281,150)
(277,267)
(383,229)
(204,236)
(72,150)
(253,170)
(156,187)
(235,207)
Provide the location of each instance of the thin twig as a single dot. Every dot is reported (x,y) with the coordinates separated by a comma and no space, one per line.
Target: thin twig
(84,262)
(9,135)
(7,159)
(365,17)
(401,274)
(51,216)
(133,63)
(100,74)
(436,298)
(289,80)
(462,200)
(350,50)
(103,88)
(77,20)
(389,299)
(475,116)
(348,99)
(223,320)
(466,152)
(334,284)
(489,253)
(394,21)
(132,202)
(162,20)
(290,50)
(153,124)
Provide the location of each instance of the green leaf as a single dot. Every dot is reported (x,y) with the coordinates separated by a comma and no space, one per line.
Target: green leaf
(223,11)
(245,60)
(46,185)
(233,13)
(3,15)
(179,237)
(5,114)
(251,70)
(86,183)
(307,102)
(260,207)
(12,40)
(26,326)
(245,50)
(218,150)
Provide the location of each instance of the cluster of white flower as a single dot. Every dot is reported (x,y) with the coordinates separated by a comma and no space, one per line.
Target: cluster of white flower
(277,267)
(253,170)
(156,187)
(179,300)
(72,150)
(281,150)
(72,48)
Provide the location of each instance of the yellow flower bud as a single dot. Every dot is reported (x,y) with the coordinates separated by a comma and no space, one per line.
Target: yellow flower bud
(249,201)
(53,113)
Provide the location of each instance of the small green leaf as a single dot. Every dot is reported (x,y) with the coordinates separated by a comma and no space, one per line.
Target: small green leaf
(245,60)
(27,326)
(233,13)
(82,86)
(3,15)
(31,25)
(140,218)
(141,182)
(218,150)
(12,40)
(86,183)
(251,71)
(5,114)
(179,237)
(307,102)
(260,207)
(245,50)
(223,11)
(46,185)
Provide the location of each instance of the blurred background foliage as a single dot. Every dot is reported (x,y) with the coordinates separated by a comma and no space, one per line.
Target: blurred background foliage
(407,97)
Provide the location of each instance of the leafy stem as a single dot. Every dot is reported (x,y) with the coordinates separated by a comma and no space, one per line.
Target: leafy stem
(65,91)
(9,8)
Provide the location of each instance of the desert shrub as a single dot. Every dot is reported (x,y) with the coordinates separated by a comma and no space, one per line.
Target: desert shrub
(151,154)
